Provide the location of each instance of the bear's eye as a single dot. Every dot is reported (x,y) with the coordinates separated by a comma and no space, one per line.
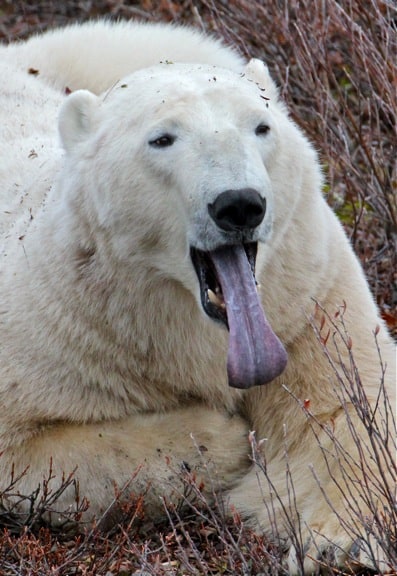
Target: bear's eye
(163,141)
(262,129)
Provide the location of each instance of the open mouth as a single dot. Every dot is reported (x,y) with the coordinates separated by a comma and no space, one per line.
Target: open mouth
(229,295)
(211,294)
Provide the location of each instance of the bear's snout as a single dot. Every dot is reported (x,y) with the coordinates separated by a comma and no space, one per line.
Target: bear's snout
(242,209)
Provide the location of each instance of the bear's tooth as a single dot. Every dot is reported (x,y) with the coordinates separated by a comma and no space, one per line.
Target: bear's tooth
(214,299)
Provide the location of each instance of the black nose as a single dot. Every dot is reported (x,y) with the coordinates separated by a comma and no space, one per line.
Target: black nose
(238,209)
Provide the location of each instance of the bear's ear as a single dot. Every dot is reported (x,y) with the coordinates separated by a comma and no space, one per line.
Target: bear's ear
(77,117)
(258,72)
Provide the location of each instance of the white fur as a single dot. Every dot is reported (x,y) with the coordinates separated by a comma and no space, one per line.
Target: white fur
(107,360)
(105,53)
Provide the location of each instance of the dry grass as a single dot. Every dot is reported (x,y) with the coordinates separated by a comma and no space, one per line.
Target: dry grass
(335,64)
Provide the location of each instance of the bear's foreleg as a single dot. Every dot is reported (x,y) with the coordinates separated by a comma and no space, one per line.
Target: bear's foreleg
(151,451)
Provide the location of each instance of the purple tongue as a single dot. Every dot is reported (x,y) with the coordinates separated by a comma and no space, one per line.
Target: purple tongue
(255,355)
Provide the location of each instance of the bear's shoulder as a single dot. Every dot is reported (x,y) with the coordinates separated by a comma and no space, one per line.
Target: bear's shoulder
(29,146)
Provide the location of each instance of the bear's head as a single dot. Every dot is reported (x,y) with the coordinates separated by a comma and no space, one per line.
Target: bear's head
(182,167)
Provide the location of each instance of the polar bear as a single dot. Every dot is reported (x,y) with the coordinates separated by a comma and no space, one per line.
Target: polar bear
(133,332)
